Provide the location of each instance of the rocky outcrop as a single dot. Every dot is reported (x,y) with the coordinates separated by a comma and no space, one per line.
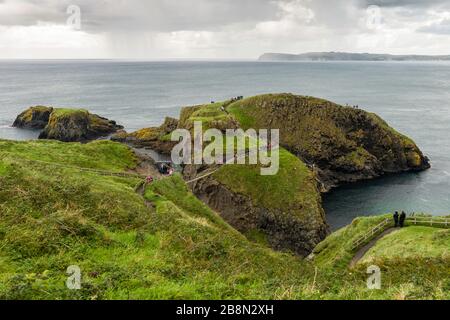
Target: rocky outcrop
(295,228)
(327,145)
(157,138)
(33,118)
(341,144)
(67,125)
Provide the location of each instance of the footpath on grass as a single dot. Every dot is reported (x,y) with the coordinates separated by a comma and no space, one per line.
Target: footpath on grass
(374,236)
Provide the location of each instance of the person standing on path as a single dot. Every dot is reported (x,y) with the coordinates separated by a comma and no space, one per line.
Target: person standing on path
(396,218)
(402,219)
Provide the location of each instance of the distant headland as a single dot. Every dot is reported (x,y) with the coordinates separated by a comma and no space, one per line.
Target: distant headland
(345,56)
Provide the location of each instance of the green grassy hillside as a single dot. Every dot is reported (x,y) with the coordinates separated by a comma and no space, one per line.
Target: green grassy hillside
(165,245)
(52,216)
(412,242)
(346,144)
(414,261)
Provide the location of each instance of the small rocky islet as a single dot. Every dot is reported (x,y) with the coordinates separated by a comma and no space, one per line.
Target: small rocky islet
(324,145)
(67,125)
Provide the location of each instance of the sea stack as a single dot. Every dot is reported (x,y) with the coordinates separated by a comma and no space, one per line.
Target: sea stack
(67,125)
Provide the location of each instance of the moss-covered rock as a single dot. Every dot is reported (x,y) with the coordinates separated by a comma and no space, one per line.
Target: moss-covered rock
(211,115)
(67,125)
(71,125)
(156,138)
(343,144)
(33,118)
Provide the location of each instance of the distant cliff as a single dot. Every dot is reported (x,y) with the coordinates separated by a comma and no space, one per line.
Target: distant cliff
(344,56)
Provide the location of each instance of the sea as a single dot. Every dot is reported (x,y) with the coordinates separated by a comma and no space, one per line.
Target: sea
(413,97)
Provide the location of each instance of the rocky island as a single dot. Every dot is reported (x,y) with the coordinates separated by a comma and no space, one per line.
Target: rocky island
(67,125)
(341,144)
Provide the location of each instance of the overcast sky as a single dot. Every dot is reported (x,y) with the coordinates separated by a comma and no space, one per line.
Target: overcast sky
(220,29)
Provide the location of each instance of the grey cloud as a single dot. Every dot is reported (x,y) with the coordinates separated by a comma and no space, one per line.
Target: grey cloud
(143,15)
(404,3)
(30,12)
(105,16)
(442,28)
(237,28)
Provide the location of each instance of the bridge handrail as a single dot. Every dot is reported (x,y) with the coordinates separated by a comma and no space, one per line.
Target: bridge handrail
(370,234)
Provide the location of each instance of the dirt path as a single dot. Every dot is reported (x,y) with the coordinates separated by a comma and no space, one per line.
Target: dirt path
(362,252)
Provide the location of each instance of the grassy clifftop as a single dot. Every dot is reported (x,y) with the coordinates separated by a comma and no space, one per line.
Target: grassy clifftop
(290,207)
(168,245)
(345,144)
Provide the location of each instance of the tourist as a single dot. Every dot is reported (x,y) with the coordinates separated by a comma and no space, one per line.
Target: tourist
(396,218)
(402,219)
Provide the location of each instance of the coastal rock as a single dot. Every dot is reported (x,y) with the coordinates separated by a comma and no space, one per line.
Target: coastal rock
(297,228)
(156,138)
(341,144)
(33,118)
(70,125)
(67,125)
(211,115)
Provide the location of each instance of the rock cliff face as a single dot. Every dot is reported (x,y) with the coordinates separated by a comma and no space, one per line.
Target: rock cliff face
(342,144)
(293,220)
(67,125)
(33,118)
